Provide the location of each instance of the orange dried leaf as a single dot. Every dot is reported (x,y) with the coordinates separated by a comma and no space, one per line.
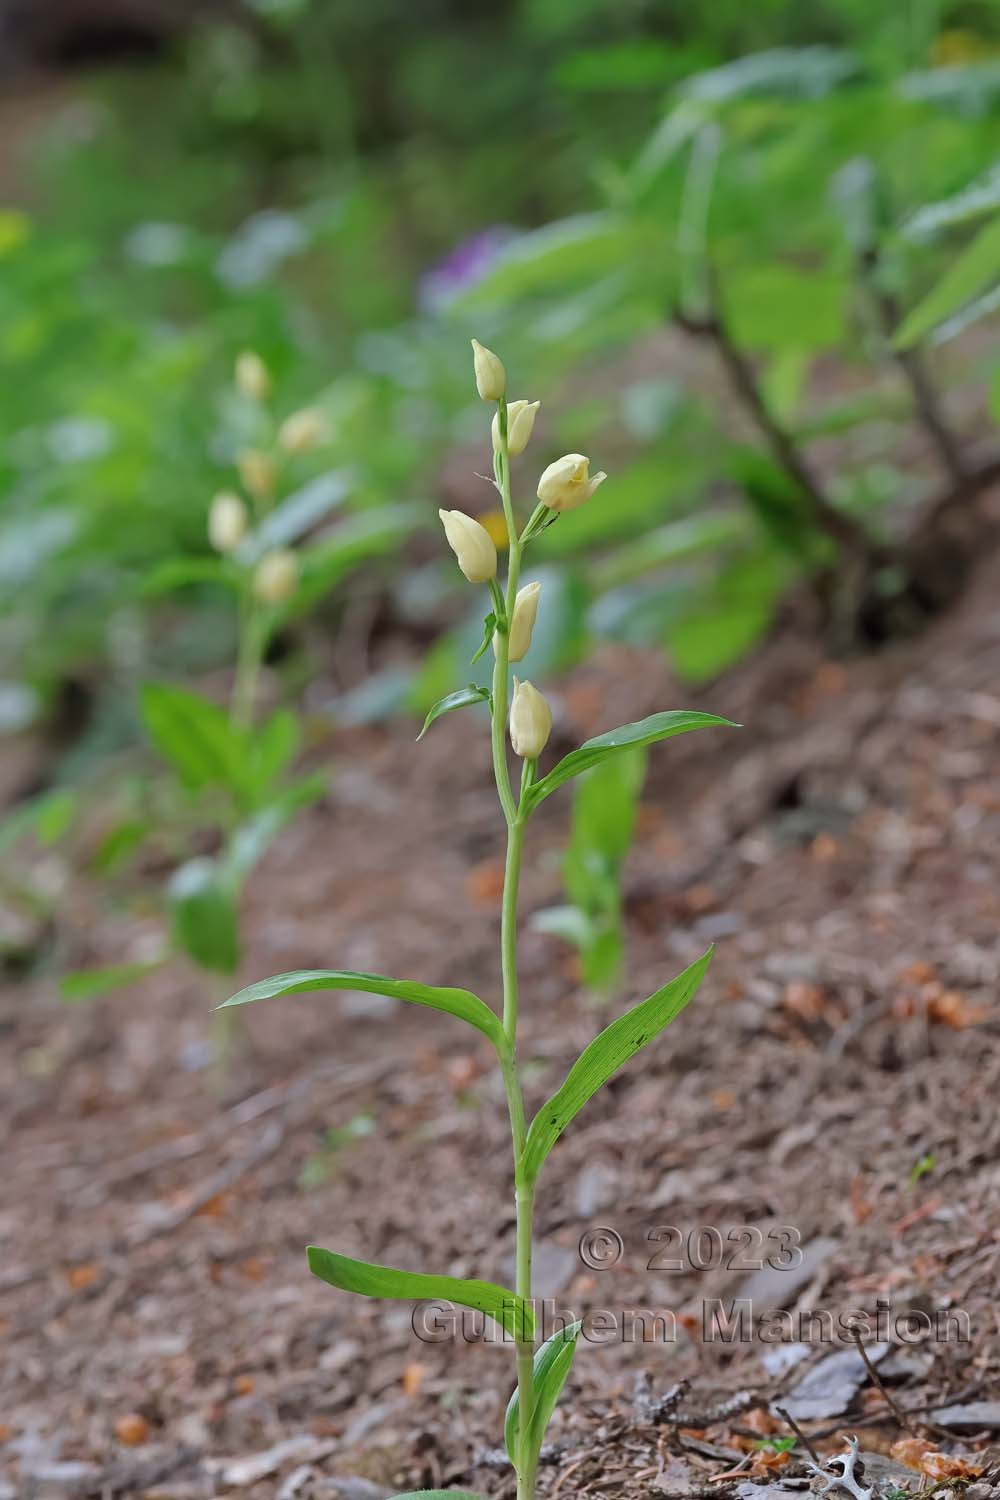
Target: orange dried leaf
(413,1379)
(81,1277)
(132,1429)
(948,1466)
(485,883)
(909,1451)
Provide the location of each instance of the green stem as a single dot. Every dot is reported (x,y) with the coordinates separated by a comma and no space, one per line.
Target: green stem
(248,663)
(515,816)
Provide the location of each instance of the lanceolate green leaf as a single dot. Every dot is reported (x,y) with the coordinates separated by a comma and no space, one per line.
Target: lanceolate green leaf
(512,1313)
(605,1055)
(194,735)
(977,268)
(463,698)
(461,1003)
(204,920)
(552,1362)
(644,732)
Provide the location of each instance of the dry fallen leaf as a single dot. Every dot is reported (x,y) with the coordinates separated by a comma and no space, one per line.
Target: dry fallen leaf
(214,1207)
(484,884)
(909,1451)
(243,1385)
(766,1462)
(413,1379)
(920,972)
(804,1000)
(824,849)
(948,1466)
(949,1008)
(699,899)
(860,1206)
(761,1422)
(81,1277)
(132,1429)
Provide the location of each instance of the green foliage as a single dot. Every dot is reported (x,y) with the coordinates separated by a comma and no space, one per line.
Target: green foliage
(461,1003)
(204,920)
(551,1368)
(463,698)
(511,1312)
(977,267)
(603,747)
(605,803)
(605,1055)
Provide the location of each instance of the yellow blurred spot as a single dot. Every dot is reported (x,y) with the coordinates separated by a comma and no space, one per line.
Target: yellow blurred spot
(953,48)
(494,522)
(15,228)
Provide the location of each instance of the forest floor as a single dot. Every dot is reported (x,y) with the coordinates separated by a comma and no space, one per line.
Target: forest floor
(818,1132)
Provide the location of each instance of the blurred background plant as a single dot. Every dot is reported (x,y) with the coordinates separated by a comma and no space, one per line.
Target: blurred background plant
(763,242)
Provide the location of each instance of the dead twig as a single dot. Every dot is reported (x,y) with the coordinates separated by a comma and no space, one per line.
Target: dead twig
(841,528)
(890,1401)
(910,362)
(803,1439)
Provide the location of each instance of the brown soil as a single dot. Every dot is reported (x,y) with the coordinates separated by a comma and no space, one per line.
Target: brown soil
(837,1075)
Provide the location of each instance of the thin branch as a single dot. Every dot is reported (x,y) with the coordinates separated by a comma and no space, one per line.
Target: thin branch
(803,1439)
(890,1401)
(911,364)
(839,527)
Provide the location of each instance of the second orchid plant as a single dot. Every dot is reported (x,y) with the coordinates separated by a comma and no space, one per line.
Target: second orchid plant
(524,715)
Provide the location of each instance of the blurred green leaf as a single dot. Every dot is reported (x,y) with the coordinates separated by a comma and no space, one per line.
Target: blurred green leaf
(298,514)
(195,736)
(204,922)
(778,307)
(975,268)
(90,984)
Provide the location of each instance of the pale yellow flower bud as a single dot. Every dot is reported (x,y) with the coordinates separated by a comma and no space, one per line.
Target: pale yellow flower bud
(276,577)
(491,377)
(522,622)
(530,721)
(253,379)
(257,472)
(567,483)
(472,545)
(304,430)
(520,421)
(227,522)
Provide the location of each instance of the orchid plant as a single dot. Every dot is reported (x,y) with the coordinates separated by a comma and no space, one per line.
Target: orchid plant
(525,715)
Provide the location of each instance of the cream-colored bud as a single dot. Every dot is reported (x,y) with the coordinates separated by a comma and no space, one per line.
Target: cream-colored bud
(491,377)
(227,522)
(520,421)
(530,721)
(257,472)
(567,483)
(253,379)
(277,576)
(304,430)
(522,622)
(471,544)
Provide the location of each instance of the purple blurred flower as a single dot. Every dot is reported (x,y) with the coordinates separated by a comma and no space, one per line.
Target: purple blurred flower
(466,265)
